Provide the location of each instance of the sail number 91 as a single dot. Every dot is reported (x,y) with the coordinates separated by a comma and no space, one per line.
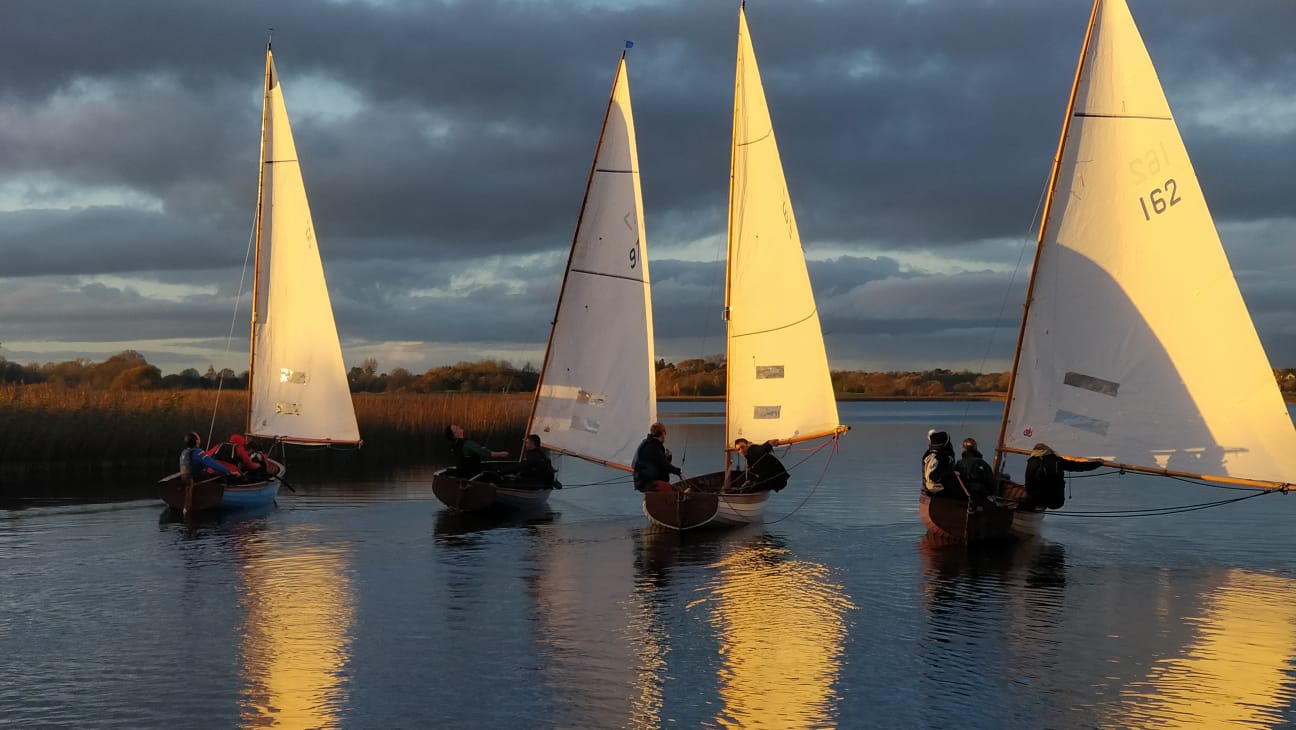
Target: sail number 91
(1160,199)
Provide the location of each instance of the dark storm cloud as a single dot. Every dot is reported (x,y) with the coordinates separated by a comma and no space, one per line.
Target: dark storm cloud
(465,130)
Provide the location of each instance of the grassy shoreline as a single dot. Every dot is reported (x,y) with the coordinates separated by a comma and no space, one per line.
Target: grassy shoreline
(44,425)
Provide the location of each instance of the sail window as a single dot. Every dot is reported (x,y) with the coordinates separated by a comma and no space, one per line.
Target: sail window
(573,393)
(768,372)
(288,409)
(766,412)
(288,375)
(1084,423)
(1089,382)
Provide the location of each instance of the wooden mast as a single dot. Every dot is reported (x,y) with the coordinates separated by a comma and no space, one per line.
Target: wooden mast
(732,237)
(1048,203)
(256,266)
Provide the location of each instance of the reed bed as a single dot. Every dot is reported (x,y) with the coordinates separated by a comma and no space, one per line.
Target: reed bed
(47,425)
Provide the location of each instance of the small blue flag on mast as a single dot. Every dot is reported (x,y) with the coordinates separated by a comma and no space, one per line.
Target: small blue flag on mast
(629,44)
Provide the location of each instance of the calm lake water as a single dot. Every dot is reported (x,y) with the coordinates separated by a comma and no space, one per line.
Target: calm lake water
(359,603)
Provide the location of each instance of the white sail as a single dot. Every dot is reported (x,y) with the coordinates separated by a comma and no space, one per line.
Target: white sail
(299,387)
(1137,346)
(779,386)
(597,397)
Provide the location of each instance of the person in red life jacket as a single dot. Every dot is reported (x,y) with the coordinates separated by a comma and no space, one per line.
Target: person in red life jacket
(235,452)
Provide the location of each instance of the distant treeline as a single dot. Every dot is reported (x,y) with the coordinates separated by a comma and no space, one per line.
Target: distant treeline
(706,377)
(698,377)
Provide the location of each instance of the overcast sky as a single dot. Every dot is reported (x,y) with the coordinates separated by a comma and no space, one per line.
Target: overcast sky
(445,148)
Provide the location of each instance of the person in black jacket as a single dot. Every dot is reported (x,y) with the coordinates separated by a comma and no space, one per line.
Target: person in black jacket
(536,468)
(978,478)
(1046,479)
(764,470)
(652,468)
(468,453)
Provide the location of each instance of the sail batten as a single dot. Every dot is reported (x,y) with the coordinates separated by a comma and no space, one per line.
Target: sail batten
(1136,346)
(596,395)
(778,382)
(298,390)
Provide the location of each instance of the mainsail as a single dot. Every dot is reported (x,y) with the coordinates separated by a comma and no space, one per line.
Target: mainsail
(596,396)
(779,386)
(1137,347)
(298,390)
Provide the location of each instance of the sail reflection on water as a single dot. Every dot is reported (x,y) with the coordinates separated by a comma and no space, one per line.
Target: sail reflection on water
(781,625)
(1238,668)
(596,639)
(299,611)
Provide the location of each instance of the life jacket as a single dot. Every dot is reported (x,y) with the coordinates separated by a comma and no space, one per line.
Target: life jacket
(187,466)
(227,453)
(936,467)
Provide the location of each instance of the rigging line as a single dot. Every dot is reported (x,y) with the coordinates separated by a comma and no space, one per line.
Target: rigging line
(569,487)
(763,137)
(812,313)
(587,272)
(602,483)
(809,456)
(1091,115)
(220,381)
(1185,480)
(1003,302)
(819,481)
(1159,511)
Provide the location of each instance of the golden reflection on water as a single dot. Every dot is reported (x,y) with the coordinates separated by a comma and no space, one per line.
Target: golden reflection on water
(298,615)
(1237,671)
(781,626)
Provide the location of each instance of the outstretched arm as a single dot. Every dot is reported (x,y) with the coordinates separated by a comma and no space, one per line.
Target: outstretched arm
(1081,464)
(217,466)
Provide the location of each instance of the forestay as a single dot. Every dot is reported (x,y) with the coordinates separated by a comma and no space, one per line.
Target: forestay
(299,388)
(1138,347)
(779,386)
(597,393)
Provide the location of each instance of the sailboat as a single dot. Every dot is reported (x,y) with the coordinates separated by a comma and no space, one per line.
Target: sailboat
(778,387)
(596,393)
(1135,347)
(297,384)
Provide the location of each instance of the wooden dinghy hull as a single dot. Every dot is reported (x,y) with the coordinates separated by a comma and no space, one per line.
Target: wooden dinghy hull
(470,495)
(191,497)
(950,520)
(698,501)
(213,493)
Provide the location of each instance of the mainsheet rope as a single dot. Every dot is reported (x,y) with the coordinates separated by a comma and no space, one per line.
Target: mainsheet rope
(1158,511)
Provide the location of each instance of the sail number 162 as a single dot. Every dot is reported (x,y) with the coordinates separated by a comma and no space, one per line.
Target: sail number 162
(1160,199)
